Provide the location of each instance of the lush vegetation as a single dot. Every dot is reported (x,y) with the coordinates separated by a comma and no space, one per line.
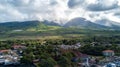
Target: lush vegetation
(47,29)
(57,32)
(48,54)
(41,40)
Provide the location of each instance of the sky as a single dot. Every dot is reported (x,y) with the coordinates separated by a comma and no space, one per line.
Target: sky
(60,11)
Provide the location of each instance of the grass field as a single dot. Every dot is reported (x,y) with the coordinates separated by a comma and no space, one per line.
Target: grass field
(56,33)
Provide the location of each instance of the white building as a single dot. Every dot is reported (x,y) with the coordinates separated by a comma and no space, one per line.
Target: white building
(110,65)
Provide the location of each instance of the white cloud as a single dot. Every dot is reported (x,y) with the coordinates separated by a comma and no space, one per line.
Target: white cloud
(58,10)
(102,5)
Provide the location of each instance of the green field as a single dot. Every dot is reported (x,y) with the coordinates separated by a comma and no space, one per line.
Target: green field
(39,30)
(56,32)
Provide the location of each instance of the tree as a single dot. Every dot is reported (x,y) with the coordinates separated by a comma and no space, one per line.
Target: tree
(64,61)
(49,62)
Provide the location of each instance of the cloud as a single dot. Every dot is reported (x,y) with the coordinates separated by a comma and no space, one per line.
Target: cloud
(103,5)
(10,14)
(94,5)
(57,10)
(116,13)
(74,3)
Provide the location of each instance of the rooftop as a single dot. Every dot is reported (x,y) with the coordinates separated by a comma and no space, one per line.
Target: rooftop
(18,46)
(108,51)
(2,51)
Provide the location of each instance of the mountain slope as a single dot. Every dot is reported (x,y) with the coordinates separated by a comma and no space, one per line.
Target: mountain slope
(83,23)
(9,26)
(111,24)
(51,23)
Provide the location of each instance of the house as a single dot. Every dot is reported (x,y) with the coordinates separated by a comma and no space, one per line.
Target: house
(36,60)
(8,57)
(4,51)
(66,47)
(110,65)
(81,55)
(108,53)
(18,47)
(2,60)
(82,59)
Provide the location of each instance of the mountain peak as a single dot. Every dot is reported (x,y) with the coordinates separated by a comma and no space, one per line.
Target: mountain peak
(83,23)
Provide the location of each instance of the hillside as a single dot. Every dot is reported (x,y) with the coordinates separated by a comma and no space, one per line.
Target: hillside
(76,28)
(111,24)
(27,25)
(84,24)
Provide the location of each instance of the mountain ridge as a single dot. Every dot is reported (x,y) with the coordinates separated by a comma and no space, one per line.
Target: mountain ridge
(82,22)
(78,22)
(112,24)
(17,25)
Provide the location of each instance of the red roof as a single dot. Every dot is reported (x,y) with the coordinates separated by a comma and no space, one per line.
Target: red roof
(18,46)
(78,54)
(36,60)
(2,51)
(108,51)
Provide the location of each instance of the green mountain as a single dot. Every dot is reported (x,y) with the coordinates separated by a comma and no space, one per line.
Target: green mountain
(47,29)
(84,24)
(28,25)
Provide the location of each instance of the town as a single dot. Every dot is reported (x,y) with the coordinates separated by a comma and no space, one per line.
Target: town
(41,53)
(11,56)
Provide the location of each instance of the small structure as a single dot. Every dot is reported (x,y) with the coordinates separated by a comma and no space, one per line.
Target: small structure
(110,65)
(82,59)
(66,47)
(8,57)
(4,51)
(108,53)
(35,60)
(2,60)
(18,47)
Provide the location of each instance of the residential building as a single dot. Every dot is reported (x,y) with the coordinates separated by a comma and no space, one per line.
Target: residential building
(108,53)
